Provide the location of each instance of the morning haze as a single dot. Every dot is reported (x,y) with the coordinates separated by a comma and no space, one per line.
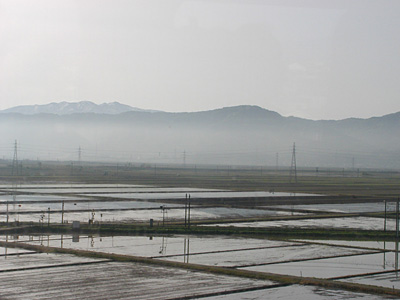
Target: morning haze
(241,135)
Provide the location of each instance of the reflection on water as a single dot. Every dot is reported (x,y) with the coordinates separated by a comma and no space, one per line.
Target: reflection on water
(157,247)
(396,259)
(75,238)
(97,243)
(163,248)
(216,250)
(186,251)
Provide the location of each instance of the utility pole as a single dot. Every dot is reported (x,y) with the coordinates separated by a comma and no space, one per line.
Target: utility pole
(62,213)
(163,209)
(14,186)
(293,167)
(184,250)
(15,160)
(277,162)
(189,212)
(14,201)
(384,224)
(397,218)
(396,258)
(7,214)
(186,207)
(48,219)
(184,158)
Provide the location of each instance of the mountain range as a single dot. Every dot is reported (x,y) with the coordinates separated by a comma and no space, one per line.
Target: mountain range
(240,135)
(67,108)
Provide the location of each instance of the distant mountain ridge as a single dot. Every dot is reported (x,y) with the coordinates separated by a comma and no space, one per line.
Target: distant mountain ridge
(115,108)
(67,108)
(246,135)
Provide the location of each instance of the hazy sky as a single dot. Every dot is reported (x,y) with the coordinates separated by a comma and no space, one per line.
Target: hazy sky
(318,59)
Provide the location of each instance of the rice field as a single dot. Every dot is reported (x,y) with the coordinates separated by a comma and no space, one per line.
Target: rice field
(27,274)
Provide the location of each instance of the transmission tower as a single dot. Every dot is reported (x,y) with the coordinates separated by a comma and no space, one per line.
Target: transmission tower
(15,160)
(293,168)
(79,154)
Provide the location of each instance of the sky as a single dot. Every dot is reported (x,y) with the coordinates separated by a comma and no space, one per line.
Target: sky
(316,59)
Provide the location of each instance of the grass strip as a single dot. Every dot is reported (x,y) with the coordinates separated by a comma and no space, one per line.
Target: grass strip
(258,232)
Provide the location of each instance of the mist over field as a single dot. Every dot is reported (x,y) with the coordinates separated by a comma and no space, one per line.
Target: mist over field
(241,135)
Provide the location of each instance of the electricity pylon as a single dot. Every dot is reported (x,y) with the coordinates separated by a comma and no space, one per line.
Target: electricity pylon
(293,168)
(15,160)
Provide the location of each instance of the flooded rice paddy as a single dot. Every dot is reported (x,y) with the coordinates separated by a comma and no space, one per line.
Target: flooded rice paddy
(348,207)
(299,258)
(48,275)
(296,292)
(120,203)
(113,280)
(368,223)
